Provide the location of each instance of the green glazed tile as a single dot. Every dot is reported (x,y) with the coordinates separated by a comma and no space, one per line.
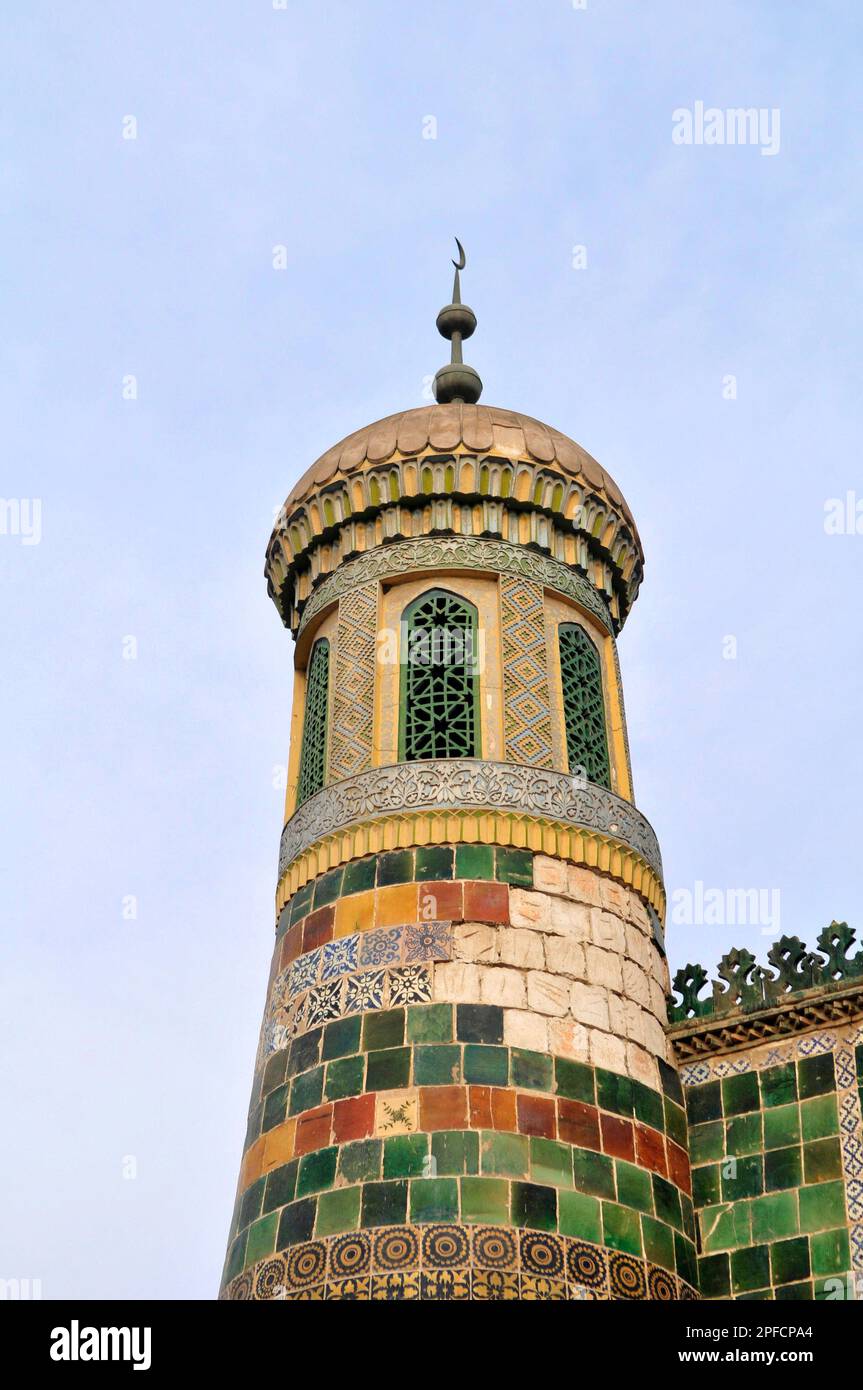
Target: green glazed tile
(396,866)
(775,1216)
(822,1206)
(275,1107)
(360,1160)
(714,1272)
(574,1080)
(345,1077)
(307,1091)
(704,1103)
(831,1252)
(666,1199)
(706,1191)
(328,887)
(797,1293)
(778,1086)
(822,1160)
(686,1259)
(434,1199)
(296,1222)
(455,1151)
(383,1029)
(317,1171)
(474,861)
(782,1127)
(338,1210)
(384,1204)
(406,1156)
(388,1070)
(430,1023)
(614,1092)
(740,1093)
(236,1259)
(658,1242)
(648,1107)
(262,1238)
(341,1038)
(485,1200)
(820,1117)
(433,862)
(504,1155)
(742,1177)
(743,1134)
(621,1228)
(486,1066)
(782,1168)
(550,1162)
(593,1173)
(725,1227)
(437,1064)
(531,1070)
(250,1203)
(634,1188)
(707,1142)
(580,1216)
(676,1126)
(789,1260)
(515,866)
(281,1185)
(533,1207)
(359,876)
(816,1075)
(480,1023)
(750,1268)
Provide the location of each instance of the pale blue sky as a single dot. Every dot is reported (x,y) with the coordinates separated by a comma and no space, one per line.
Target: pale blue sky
(153,257)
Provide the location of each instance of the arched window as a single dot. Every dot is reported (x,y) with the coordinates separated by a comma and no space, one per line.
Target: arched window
(440,678)
(314,746)
(583,706)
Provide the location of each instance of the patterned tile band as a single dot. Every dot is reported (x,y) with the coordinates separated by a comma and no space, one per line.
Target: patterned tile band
(462,783)
(440,553)
(454,1263)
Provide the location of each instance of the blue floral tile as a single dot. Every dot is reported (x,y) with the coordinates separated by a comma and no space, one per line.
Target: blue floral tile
(340,957)
(304,971)
(428,941)
(365,991)
(411,984)
(324,1003)
(381,947)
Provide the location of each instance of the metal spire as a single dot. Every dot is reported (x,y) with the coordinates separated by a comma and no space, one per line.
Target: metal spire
(456,321)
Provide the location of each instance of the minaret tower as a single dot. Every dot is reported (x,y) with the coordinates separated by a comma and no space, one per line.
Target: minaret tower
(463,1086)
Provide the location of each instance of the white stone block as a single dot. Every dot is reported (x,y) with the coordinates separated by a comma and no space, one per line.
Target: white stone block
(522,1029)
(589,1005)
(502,986)
(547,993)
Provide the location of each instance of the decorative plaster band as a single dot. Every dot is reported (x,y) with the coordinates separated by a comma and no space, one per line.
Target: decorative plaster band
(455,552)
(467,784)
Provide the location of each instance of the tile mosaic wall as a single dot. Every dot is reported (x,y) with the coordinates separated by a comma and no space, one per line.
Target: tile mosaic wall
(423,1115)
(776,1141)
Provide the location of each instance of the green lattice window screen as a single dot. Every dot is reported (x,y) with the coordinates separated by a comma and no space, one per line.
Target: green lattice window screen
(440,679)
(314,746)
(583,705)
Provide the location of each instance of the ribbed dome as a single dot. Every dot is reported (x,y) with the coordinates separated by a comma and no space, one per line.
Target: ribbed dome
(483,429)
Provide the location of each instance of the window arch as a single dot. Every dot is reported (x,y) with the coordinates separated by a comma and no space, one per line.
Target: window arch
(313,750)
(583,705)
(440,678)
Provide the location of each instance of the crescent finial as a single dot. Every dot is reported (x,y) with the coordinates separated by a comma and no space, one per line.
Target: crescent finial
(462,261)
